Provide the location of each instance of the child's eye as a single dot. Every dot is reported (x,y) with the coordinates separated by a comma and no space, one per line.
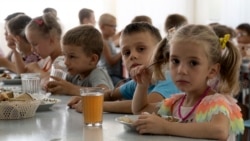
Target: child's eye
(175,61)
(72,56)
(126,53)
(193,63)
(140,49)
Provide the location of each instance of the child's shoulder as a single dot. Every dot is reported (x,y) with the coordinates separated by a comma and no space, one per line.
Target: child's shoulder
(98,70)
(221,103)
(219,98)
(218,101)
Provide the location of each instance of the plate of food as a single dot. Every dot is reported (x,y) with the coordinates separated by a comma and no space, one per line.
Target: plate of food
(46,103)
(7,79)
(12,81)
(4,76)
(128,120)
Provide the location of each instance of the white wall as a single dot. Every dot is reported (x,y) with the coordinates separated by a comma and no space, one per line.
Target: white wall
(67,11)
(157,10)
(230,12)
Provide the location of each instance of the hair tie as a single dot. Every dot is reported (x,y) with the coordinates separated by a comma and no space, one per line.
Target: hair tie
(39,22)
(224,40)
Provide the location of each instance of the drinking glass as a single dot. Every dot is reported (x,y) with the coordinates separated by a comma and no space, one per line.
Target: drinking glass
(31,83)
(92,102)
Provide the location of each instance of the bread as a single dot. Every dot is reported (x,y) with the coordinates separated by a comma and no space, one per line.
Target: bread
(6,95)
(9,96)
(5,76)
(24,96)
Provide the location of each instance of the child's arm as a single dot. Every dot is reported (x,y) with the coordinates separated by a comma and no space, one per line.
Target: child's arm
(20,66)
(73,102)
(111,59)
(217,128)
(112,95)
(125,106)
(60,86)
(7,64)
(140,101)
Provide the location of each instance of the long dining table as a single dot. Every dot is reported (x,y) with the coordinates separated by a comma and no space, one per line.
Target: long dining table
(60,123)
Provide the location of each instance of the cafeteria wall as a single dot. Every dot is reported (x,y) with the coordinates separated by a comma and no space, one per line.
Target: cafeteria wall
(230,12)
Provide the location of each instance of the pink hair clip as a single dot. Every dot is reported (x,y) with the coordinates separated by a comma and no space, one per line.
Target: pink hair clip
(39,22)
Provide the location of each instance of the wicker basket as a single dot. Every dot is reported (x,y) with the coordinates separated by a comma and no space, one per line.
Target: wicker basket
(18,109)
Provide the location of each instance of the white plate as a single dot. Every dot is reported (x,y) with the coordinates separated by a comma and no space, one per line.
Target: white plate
(47,103)
(127,121)
(12,81)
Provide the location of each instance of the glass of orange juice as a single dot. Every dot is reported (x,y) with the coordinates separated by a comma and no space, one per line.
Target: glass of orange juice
(92,102)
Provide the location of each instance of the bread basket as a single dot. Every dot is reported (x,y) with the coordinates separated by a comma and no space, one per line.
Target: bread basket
(18,109)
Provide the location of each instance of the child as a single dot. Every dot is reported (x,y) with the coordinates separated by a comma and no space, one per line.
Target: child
(110,59)
(138,42)
(87,16)
(243,39)
(142,18)
(139,18)
(44,34)
(173,22)
(50,10)
(195,57)
(243,33)
(82,48)
(15,28)
(8,61)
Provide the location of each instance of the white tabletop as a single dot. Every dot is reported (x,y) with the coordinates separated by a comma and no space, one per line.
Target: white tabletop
(64,124)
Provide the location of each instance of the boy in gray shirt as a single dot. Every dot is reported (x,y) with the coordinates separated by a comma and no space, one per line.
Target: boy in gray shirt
(82,47)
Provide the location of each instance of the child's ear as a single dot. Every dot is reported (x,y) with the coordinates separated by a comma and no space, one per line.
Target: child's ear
(94,59)
(214,71)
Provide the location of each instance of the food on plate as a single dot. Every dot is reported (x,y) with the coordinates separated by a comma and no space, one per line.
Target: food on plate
(6,95)
(5,76)
(25,97)
(9,96)
(171,119)
(49,101)
(126,119)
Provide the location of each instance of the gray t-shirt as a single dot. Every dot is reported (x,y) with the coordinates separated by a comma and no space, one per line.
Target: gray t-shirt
(96,77)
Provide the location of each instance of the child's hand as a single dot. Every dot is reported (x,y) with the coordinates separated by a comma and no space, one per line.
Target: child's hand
(141,75)
(60,86)
(150,123)
(13,47)
(78,106)
(73,101)
(76,103)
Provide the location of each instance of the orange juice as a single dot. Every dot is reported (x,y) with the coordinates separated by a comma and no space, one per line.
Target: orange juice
(92,108)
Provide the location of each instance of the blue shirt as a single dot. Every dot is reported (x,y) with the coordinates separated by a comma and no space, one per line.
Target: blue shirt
(164,87)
